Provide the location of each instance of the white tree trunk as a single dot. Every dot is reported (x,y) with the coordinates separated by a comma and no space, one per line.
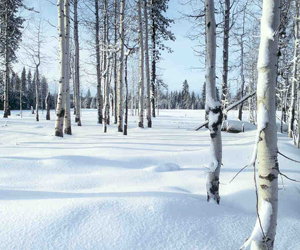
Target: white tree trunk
(297,139)
(6,88)
(126,96)
(60,109)
(251,102)
(76,76)
(67,119)
(98,66)
(105,68)
(263,235)
(212,107)
(47,105)
(225,54)
(148,103)
(37,84)
(120,76)
(295,70)
(37,73)
(153,63)
(141,66)
(115,99)
(21,95)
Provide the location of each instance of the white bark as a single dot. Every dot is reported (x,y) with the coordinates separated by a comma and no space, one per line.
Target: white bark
(37,84)
(76,76)
(60,109)
(67,118)
(251,102)
(126,96)
(37,73)
(263,235)
(47,105)
(105,68)
(21,94)
(295,67)
(241,43)
(141,66)
(98,66)
(297,139)
(120,75)
(6,59)
(212,107)
(225,54)
(148,104)
(153,63)
(115,99)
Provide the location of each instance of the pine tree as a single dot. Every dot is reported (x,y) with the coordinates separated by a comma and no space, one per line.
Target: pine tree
(30,90)
(159,34)
(44,91)
(203,96)
(24,80)
(193,101)
(185,95)
(11,25)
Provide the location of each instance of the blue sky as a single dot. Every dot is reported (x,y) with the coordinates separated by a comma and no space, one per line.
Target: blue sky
(178,65)
(174,67)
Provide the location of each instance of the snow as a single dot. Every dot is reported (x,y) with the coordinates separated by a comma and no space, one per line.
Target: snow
(261,226)
(233,125)
(142,191)
(165,167)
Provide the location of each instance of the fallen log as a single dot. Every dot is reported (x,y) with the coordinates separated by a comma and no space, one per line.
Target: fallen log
(230,107)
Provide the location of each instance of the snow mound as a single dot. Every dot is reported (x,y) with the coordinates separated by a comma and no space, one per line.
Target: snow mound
(165,167)
(232,126)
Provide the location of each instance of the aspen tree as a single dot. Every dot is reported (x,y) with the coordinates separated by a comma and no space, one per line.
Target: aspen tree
(241,43)
(105,67)
(67,117)
(295,70)
(6,89)
(148,103)
(141,66)
(60,109)
(120,75)
(212,107)
(263,235)
(115,103)
(99,77)
(76,70)
(47,105)
(126,94)
(225,53)
(37,84)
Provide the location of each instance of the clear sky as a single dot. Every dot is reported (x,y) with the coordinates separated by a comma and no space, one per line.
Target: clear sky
(177,66)
(174,67)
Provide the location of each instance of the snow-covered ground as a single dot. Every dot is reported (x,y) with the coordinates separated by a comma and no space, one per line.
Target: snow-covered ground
(142,191)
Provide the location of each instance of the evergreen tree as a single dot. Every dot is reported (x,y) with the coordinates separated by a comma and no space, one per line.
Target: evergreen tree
(203,97)
(87,100)
(44,91)
(24,80)
(30,91)
(193,100)
(11,24)
(185,95)
(159,25)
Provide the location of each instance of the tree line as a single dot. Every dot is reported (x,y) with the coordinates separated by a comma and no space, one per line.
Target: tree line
(22,93)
